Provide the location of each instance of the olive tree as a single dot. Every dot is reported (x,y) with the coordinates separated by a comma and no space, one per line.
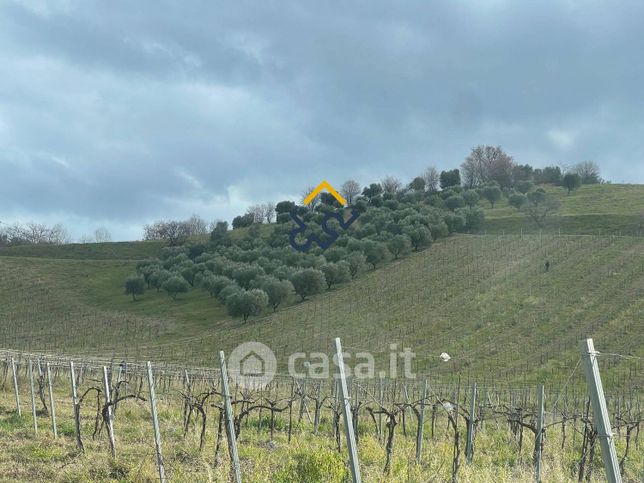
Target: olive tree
(376,253)
(470,197)
(492,193)
(158,277)
(356,261)
(455,201)
(175,285)
(419,236)
(571,181)
(277,291)
(245,303)
(308,282)
(540,206)
(399,246)
(336,273)
(517,200)
(134,285)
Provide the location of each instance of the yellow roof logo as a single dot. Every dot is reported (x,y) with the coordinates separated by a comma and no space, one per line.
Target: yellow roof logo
(325,185)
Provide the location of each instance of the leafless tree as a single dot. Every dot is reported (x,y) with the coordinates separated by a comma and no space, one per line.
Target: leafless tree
(589,172)
(349,190)
(391,185)
(432,179)
(315,201)
(487,163)
(196,226)
(257,211)
(36,234)
(172,232)
(269,211)
(102,235)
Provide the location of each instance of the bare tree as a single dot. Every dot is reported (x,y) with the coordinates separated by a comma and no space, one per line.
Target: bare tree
(432,179)
(172,232)
(257,212)
(315,201)
(269,211)
(349,190)
(391,185)
(589,172)
(36,234)
(102,235)
(196,225)
(487,163)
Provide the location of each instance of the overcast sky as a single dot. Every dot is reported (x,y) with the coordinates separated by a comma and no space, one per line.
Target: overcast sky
(117,113)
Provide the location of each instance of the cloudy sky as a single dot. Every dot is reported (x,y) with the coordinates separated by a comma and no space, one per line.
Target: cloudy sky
(117,113)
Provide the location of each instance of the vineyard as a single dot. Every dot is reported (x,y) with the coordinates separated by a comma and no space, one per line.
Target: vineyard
(484,299)
(64,419)
(507,324)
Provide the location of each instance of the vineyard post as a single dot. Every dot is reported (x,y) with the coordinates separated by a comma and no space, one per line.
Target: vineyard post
(15,386)
(72,376)
(469,445)
(421,424)
(155,424)
(230,426)
(51,402)
(33,396)
(348,419)
(110,418)
(596,390)
(381,400)
(538,444)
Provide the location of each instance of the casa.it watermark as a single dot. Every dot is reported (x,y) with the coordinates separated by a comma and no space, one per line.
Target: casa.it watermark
(254,365)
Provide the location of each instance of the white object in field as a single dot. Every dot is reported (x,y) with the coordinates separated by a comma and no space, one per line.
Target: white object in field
(447,406)
(444,356)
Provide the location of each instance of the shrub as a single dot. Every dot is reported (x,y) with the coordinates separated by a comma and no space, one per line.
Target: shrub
(454,201)
(471,198)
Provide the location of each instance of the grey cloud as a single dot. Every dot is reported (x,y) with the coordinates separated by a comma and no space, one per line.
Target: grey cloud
(127,111)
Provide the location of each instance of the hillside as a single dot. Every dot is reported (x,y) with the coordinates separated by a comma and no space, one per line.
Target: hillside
(486,300)
(590,210)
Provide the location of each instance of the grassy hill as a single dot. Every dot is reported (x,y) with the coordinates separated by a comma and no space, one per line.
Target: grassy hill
(591,210)
(485,300)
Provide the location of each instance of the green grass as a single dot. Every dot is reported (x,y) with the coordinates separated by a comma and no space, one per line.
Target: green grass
(25,456)
(88,251)
(592,209)
(483,299)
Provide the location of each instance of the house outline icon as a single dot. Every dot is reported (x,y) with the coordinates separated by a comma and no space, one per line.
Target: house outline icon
(252,365)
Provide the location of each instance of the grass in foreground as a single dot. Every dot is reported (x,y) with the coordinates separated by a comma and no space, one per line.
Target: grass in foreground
(25,456)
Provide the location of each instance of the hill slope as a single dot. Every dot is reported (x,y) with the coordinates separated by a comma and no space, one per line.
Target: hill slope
(590,210)
(485,300)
